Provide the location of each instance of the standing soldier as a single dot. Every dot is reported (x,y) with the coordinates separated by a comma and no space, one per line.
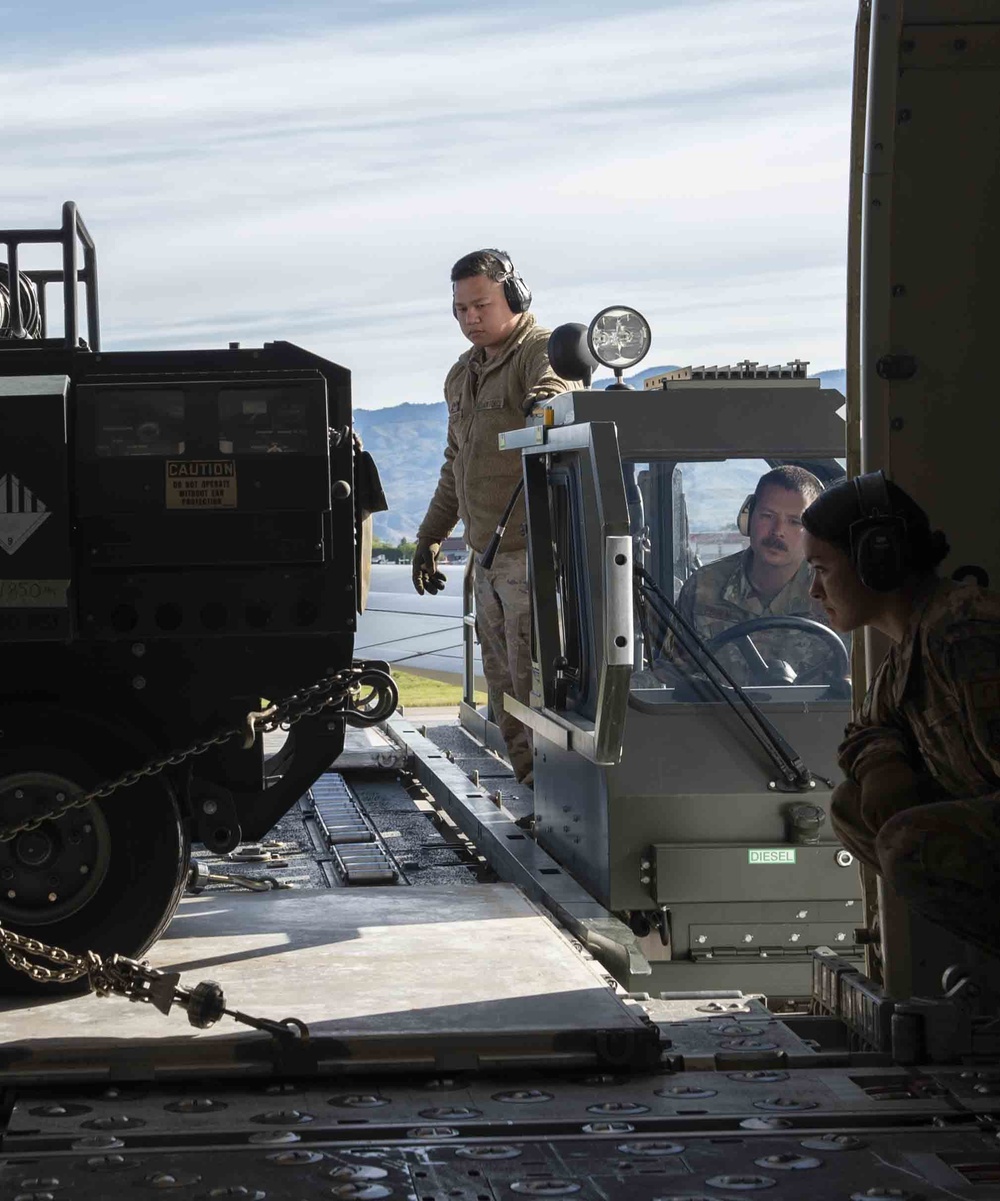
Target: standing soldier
(489,390)
(921,802)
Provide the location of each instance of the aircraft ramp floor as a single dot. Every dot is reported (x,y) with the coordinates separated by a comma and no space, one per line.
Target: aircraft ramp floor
(462,1046)
(429,977)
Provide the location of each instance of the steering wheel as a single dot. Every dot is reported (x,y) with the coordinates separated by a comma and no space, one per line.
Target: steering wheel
(838,658)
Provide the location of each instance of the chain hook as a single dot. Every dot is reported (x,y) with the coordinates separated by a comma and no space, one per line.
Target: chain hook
(253,720)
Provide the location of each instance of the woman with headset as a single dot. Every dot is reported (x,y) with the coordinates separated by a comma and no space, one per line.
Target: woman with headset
(921,801)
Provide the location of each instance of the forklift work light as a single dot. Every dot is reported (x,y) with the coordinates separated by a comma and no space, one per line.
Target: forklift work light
(618,337)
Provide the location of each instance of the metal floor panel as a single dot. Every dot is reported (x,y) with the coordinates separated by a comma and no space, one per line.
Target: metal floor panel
(517,858)
(495,774)
(701,1038)
(447,1139)
(521,1104)
(419,975)
(367,748)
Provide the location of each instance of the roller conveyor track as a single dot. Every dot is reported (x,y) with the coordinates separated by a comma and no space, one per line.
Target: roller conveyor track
(358,853)
(360,825)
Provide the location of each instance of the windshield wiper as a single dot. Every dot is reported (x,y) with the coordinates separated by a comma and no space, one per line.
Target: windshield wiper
(784,757)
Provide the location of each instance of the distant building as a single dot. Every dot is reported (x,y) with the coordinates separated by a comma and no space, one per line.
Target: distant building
(748,369)
(716,544)
(454,550)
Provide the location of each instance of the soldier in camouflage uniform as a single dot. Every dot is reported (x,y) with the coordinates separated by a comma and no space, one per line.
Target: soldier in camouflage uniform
(921,802)
(769,579)
(489,390)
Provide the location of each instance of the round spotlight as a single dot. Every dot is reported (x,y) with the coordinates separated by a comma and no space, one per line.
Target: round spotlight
(618,337)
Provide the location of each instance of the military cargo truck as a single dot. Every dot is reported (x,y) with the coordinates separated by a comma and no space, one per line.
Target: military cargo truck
(182,536)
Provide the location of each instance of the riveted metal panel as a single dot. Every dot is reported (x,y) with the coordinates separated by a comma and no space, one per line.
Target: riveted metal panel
(692,872)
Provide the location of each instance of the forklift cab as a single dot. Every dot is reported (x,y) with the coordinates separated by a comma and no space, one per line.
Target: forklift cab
(697,813)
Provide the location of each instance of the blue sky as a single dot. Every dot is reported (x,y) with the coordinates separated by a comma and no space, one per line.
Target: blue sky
(311,171)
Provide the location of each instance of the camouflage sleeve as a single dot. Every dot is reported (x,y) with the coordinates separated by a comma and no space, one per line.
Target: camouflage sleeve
(878,736)
(442,513)
(972,662)
(537,377)
(866,746)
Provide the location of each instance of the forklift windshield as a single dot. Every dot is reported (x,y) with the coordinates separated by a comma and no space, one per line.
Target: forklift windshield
(737,573)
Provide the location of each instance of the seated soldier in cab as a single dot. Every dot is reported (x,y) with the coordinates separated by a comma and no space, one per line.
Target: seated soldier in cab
(921,800)
(766,582)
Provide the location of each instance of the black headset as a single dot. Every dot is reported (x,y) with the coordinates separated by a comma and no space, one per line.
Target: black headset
(878,536)
(516,291)
(744,515)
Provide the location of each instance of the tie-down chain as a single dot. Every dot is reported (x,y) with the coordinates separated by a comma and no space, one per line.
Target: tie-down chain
(332,690)
(117,975)
(371,697)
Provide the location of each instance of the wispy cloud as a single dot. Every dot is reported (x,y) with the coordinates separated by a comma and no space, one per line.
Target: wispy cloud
(689,158)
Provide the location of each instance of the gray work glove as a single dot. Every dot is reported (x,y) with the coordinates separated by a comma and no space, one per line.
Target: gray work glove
(426,577)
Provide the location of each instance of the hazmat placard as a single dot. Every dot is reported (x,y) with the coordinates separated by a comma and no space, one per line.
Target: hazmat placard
(201,484)
(771,855)
(21,513)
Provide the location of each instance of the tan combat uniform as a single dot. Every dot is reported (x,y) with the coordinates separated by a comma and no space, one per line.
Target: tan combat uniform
(487,396)
(720,595)
(934,707)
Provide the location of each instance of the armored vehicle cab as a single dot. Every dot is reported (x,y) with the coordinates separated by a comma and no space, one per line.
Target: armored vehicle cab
(180,538)
(686,785)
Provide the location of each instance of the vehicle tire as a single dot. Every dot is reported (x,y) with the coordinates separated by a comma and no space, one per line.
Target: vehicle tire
(107,877)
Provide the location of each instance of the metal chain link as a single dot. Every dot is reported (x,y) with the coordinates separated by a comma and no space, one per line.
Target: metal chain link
(117,975)
(306,702)
(13,945)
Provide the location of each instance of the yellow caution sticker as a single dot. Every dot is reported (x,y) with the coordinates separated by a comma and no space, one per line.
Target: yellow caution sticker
(33,594)
(201,484)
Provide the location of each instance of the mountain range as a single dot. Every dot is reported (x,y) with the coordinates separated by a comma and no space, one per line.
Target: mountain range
(407,442)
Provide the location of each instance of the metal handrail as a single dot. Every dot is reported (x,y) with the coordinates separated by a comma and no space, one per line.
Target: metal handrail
(469,633)
(72,232)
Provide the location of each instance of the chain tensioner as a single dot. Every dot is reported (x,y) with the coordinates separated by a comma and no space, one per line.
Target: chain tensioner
(137,981)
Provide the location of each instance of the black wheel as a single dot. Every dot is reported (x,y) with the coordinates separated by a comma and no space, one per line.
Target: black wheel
(106,877)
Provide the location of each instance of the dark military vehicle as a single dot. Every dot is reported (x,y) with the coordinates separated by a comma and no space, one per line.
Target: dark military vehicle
(180,537)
